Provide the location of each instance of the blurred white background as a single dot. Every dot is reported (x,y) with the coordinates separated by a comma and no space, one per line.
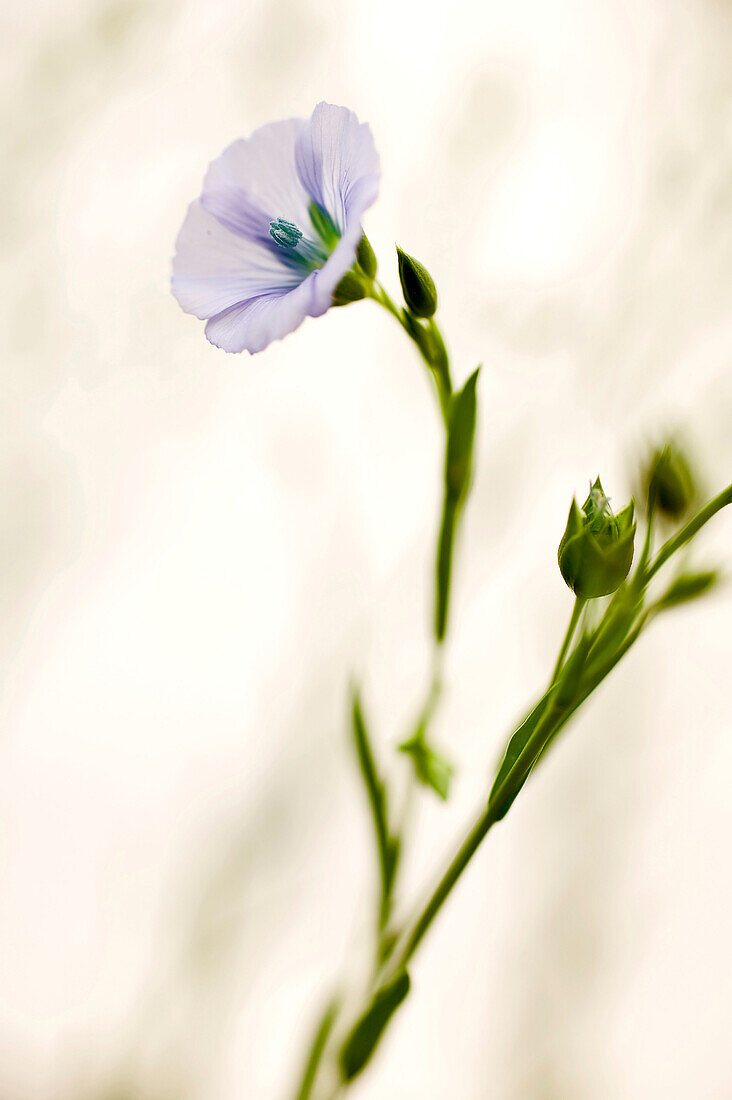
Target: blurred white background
(199,550)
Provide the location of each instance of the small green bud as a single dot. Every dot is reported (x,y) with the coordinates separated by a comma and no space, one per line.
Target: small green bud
(670,481)
(596,551)
(366,257)
(417,285)
(351,288)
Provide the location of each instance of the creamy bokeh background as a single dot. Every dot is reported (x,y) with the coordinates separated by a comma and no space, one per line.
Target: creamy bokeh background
(198,551)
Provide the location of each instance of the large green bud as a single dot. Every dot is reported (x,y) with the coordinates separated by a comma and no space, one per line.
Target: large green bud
(596,551)
(670,482)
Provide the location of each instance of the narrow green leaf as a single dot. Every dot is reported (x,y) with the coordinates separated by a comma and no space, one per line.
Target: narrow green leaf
(387,847)
(460,436)
(517,744)
(361,1043)
(458,459)
(688,587)
(317,1047)
(544,721)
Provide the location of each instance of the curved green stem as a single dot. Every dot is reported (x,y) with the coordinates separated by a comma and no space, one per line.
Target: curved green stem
(428,340)
(380,295)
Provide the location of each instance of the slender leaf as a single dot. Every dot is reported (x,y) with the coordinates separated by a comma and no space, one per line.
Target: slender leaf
(317,1047)
(518,743)
(460,437)
(688,586)
(361,1043)
(387,846)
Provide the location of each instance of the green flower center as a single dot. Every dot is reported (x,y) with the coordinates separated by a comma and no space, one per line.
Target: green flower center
(297,250)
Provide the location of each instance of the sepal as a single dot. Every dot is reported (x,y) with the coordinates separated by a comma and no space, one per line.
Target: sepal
(351,288)
(366,258)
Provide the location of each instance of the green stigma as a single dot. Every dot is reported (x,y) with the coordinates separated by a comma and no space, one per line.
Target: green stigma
(284,233)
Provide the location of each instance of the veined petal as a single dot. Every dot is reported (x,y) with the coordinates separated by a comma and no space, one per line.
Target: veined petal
(237,211)
(252,325)
(335,155)
(215,268)
(263,167)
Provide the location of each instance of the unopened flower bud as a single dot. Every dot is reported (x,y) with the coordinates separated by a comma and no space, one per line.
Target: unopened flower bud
(596,551)
(417,286)
(670,482)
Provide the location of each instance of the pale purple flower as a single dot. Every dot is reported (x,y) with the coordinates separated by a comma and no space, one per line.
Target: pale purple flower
(276,227)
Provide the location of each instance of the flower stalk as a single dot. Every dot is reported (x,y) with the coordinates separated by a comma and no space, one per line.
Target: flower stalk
(276,236)
(586,657)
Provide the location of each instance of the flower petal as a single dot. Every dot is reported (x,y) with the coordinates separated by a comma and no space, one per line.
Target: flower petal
(215,268)
(343,256)
(335,155)
(237,211)
(252,325)
(263,167)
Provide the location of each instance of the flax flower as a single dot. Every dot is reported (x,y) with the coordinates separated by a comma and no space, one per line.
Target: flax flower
(276,227)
